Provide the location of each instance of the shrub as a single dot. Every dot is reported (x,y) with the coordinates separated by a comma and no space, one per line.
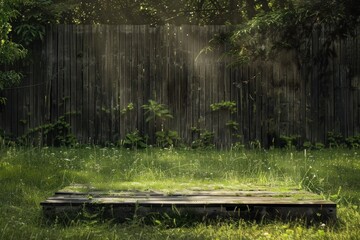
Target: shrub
(167,138)
(134,140)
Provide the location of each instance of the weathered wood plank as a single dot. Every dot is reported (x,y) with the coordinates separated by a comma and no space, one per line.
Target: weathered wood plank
(67,73)
(122,90)
(264,204)
(73,80)
(79,75)
(87,107)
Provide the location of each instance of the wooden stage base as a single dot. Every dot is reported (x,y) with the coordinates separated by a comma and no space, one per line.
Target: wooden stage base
(249,204)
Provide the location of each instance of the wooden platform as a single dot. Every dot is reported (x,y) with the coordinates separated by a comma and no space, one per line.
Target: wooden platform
(249,204)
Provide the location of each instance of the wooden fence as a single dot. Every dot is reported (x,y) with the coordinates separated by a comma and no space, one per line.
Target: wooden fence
(90,73)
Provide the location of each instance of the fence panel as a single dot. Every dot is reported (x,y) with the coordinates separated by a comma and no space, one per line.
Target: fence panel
(89,74)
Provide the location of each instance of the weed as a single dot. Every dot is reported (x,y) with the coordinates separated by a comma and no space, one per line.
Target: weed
(134,140)
(156,110)
(167,138)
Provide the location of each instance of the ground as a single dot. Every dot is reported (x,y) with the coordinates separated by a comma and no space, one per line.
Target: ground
(30,175)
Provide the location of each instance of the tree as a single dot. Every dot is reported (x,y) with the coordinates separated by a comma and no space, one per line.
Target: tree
(290,24)
(155,11)
(22,22)
(9,50)
(29,25)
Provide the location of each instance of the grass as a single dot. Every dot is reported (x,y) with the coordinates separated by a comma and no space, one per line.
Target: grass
(30,175)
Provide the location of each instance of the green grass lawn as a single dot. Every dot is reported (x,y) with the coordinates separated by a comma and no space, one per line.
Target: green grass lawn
(29,176)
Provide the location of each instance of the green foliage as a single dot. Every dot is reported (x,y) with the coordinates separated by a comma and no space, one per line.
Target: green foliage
(353,142)
(34,15)
(287,142)
(128,108)
(316,146)
(53,134)
(224,105)
(233,125)
(155,12)
(307,145)
(204,139)
(156,110)
(21,23)
(238,146)
(335,140)
(9,50)
(8,79)
(236,133)
(289,26)
(255,144)
(134,140)
(167,138)
(6,140)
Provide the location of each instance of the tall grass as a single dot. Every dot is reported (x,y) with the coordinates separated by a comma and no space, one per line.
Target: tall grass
(28,176)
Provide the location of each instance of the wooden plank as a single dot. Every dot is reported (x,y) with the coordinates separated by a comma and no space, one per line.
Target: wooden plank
(73,80)
(104,90)
(258,103)
(55,81)
(170,91)
(238,83)
(128,77)
(115,81)
(167,57)
(141,73)
(194,81)
(96,80)
(206,92)
(93,84)
(49,52)
(182,84)
(86,89)
(356,80)
(190,98)
(294,194)
(239,89)
(23,99)
(41,68)
(66,100)
(122,90)
(187,200)
(246,103)
(213,82)
(61,69)
(80,77)
(134,73)
(269,204)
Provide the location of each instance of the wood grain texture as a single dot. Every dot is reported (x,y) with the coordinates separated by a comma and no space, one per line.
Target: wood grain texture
(92,72)
(218,203)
